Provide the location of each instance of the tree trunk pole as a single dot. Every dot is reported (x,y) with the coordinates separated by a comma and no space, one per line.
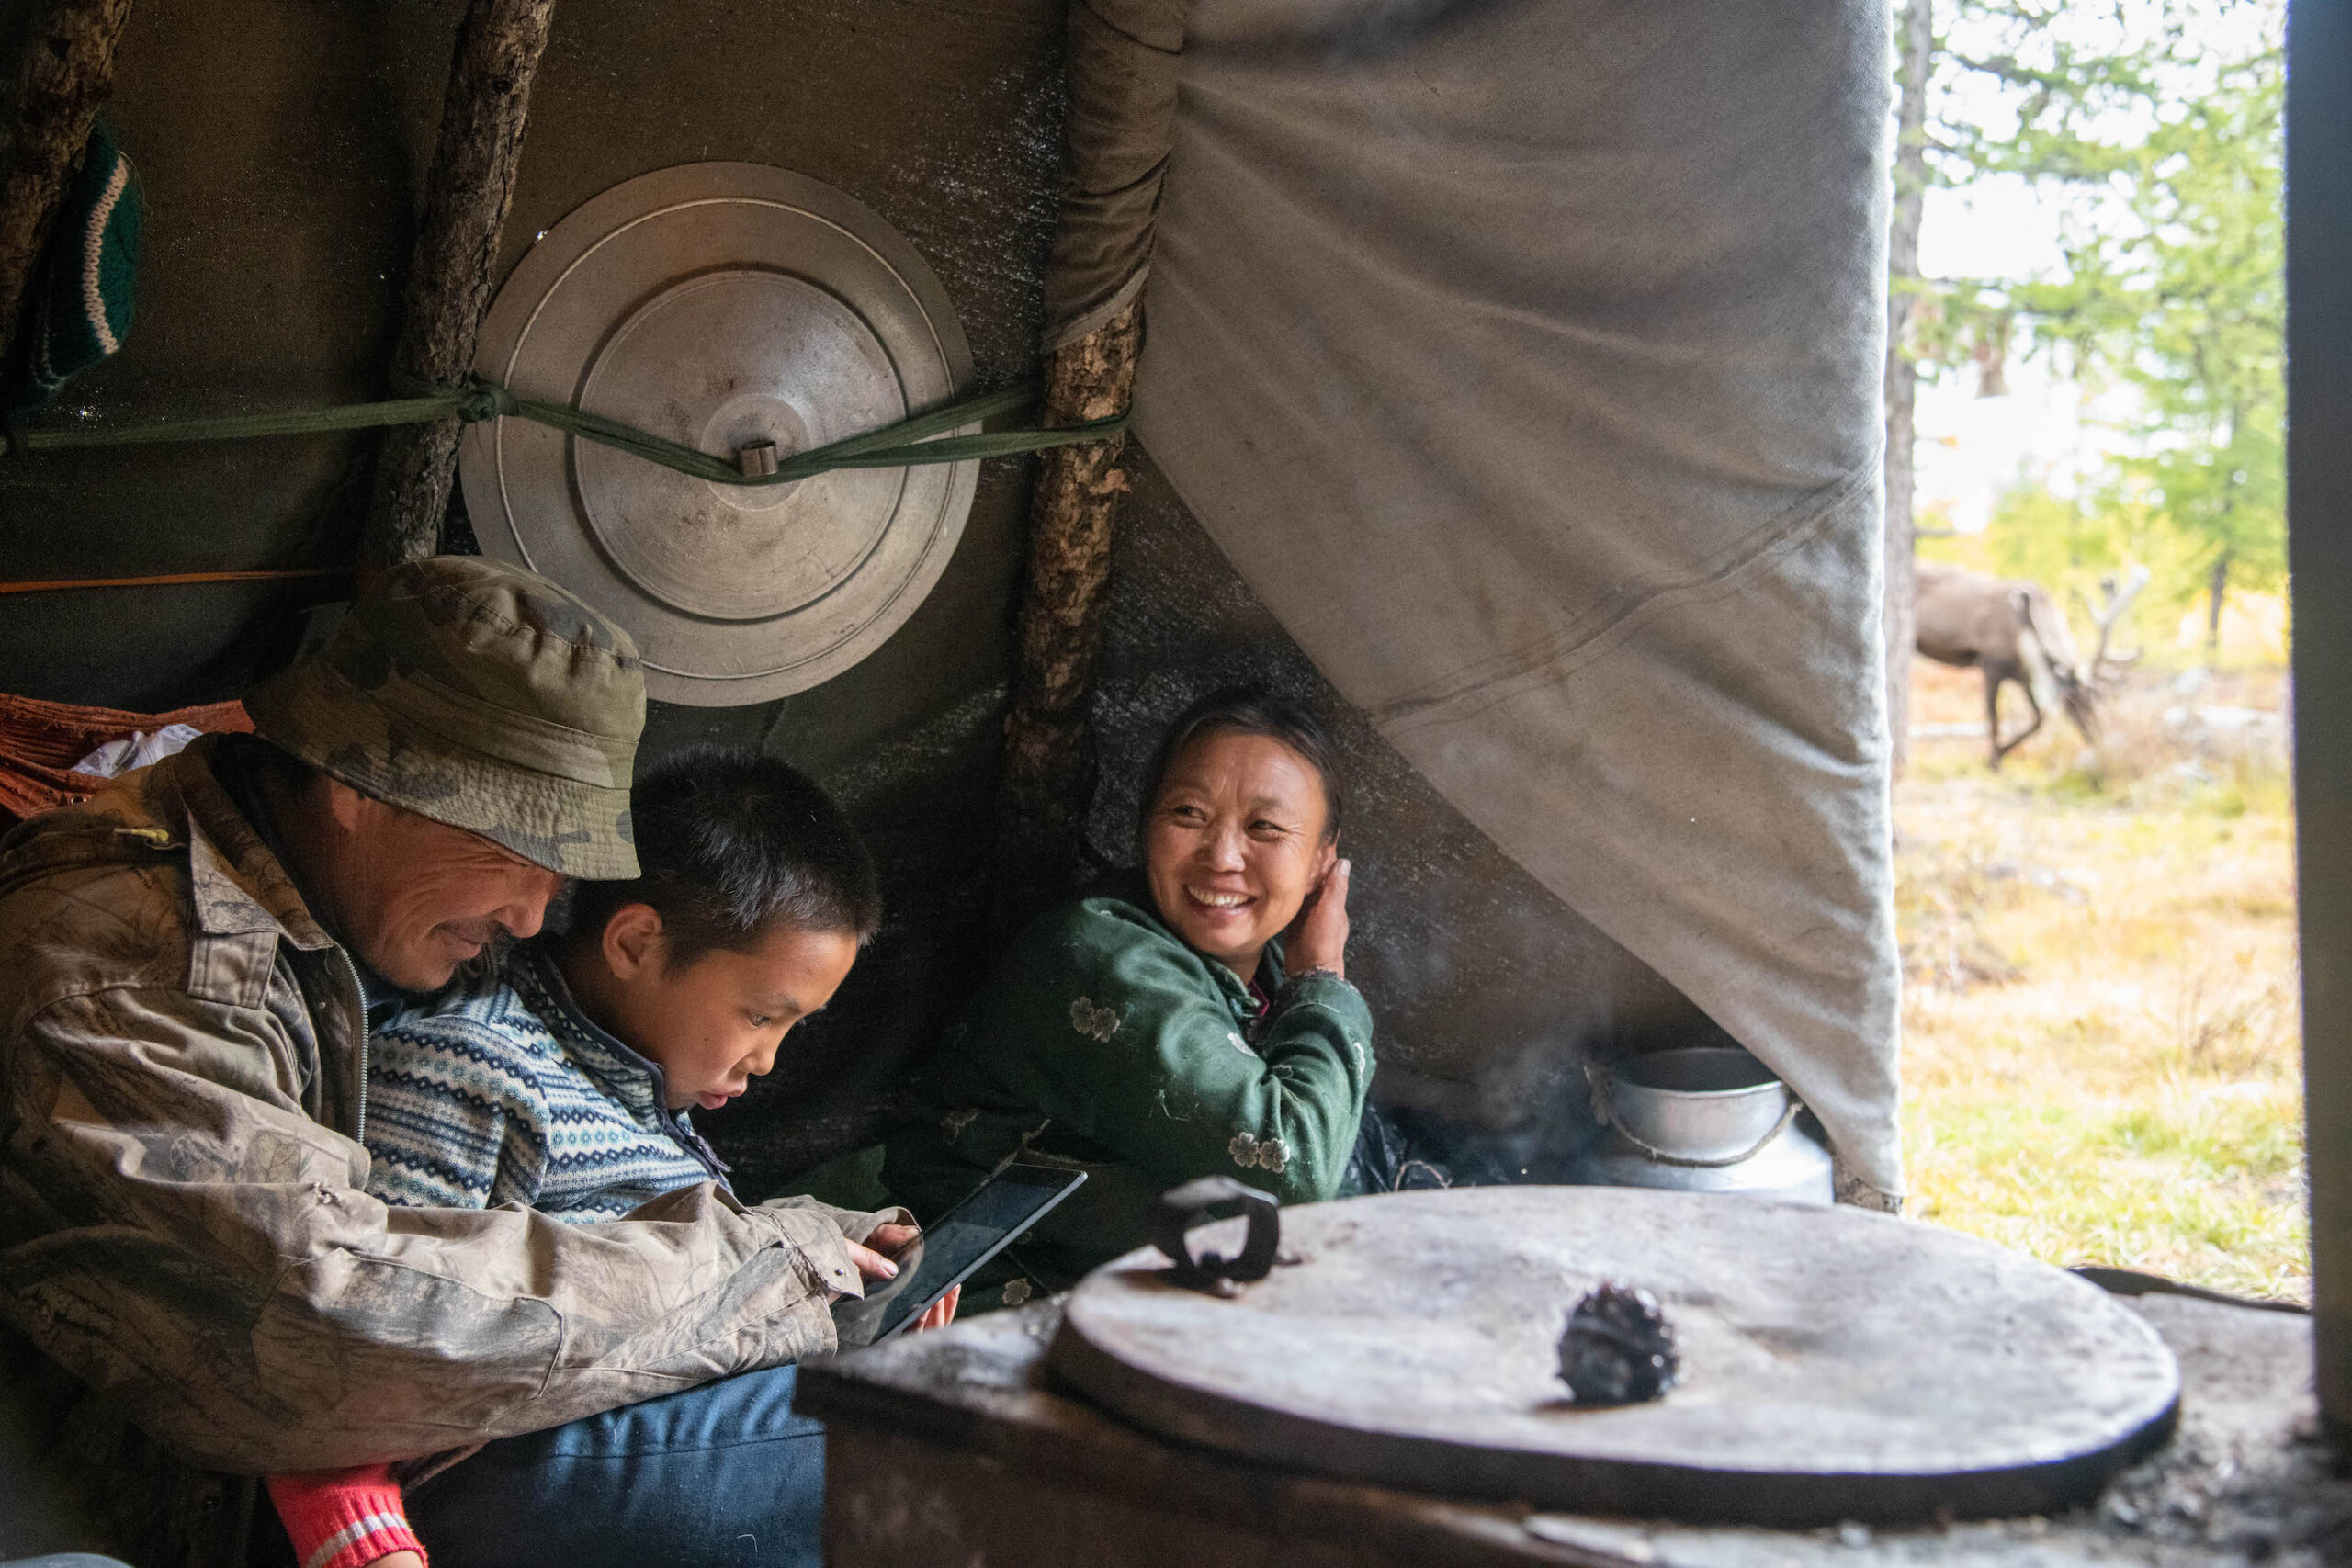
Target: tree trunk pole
(1119,133)
(68,72)
(1918,41)
(467,193)
(1048,749)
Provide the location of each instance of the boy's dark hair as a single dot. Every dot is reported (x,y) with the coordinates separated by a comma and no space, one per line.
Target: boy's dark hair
(1252,709)
(733,844)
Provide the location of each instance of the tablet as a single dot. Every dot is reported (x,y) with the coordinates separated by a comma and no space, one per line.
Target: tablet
(983,1225)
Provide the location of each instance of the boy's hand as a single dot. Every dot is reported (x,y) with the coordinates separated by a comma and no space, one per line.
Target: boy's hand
(942,1313)
(891,1240)
(874,1266)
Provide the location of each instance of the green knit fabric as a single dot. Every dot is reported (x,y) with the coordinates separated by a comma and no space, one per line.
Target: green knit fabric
(82,302)
(1103,1043)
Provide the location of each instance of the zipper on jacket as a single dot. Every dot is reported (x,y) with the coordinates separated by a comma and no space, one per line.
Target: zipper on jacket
(690,1140)
(359,993)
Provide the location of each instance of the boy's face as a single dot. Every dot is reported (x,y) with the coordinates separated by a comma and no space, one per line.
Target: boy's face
(715,1022)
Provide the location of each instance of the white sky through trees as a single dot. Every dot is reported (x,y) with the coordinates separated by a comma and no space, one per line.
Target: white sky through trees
(1972,449)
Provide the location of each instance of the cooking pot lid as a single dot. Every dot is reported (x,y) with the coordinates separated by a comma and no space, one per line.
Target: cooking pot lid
(721,305)
(1834,1364)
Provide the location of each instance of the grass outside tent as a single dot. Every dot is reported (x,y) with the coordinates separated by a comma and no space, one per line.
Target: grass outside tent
(2102,1052)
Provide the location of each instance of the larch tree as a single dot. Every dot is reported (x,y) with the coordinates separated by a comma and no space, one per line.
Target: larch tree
(1915,48)
(2161,156)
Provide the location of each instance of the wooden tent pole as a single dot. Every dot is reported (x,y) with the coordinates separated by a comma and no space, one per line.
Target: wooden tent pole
(2319,558)
(68,72)
(1119,129)
(1048,749)
(469,192)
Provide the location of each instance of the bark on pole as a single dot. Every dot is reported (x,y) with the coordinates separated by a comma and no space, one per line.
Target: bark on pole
(1917,42)
(469,192)
(1048,746)
(1120,130)
(67,71)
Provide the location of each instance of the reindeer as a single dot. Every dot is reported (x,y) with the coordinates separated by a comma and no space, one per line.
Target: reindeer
(2012,631)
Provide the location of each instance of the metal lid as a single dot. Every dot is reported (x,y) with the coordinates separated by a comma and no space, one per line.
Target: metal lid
(1702,1102)
(1835,1365)
(723,305)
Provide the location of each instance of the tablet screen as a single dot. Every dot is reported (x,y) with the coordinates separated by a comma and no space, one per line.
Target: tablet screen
(975,1230)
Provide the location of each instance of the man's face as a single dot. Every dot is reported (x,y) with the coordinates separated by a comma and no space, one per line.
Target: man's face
(415,897)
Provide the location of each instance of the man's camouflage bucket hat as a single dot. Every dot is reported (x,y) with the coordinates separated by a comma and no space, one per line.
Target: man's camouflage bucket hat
(480,696)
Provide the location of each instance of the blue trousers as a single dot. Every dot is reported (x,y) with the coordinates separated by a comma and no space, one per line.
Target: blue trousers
(721,1476)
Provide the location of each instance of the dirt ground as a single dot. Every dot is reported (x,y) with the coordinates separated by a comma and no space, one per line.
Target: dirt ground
(2102,1045)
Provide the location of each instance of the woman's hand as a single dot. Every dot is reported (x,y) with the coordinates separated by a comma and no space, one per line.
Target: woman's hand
(1319,938)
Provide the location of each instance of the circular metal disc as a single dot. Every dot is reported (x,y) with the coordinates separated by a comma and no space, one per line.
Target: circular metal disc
(1835,1365)
(721,304)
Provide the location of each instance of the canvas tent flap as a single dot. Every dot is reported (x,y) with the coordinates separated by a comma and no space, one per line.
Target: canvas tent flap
(1121,119)
(1525,356)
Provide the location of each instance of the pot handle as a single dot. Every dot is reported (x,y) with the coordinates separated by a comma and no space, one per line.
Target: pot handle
(1182,1208)
(1597,1080)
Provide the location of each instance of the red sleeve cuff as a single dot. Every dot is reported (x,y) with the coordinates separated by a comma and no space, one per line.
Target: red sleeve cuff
(343,1518)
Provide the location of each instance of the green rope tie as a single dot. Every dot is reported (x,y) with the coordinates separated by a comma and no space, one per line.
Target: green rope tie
(919,439)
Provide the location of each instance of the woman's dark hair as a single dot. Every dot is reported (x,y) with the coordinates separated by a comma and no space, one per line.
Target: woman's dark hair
(731,844)
(1252,709)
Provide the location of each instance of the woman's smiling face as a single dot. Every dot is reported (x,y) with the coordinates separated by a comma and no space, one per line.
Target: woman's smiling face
(1234,844)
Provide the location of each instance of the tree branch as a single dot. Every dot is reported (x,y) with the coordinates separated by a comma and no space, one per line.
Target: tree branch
(470,189)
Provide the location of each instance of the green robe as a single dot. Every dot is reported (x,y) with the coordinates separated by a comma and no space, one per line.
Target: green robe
(1103,1043)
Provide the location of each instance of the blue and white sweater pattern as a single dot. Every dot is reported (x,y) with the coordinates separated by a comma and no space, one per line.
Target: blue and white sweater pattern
(500,1090)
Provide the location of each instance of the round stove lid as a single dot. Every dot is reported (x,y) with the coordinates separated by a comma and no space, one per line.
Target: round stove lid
(1835,1365)
(722,305)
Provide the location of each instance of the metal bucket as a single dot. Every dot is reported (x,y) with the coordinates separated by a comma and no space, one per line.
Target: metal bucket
(1702,1119)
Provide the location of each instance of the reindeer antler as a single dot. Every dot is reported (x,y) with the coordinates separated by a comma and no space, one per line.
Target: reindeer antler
(2114,600)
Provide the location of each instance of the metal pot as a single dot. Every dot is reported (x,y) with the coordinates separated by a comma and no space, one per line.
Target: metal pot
(1700,1119)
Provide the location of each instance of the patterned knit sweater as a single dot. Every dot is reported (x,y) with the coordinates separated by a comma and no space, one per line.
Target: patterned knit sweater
(501,1090)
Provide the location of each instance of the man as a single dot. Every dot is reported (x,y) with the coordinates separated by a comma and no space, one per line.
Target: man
(189,965)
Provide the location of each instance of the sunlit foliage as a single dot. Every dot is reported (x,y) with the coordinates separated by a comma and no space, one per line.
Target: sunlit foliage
(2155,130)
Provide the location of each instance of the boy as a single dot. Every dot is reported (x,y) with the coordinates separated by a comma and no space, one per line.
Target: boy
(562,1075)
(565,1076)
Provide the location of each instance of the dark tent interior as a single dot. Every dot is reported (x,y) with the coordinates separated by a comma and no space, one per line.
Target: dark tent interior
(283,148)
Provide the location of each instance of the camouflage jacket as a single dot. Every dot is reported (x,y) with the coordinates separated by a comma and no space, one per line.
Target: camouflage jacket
(184,1219)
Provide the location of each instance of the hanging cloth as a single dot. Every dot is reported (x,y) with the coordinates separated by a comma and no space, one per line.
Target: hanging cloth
(40,742)
(1525,357)
(80,303)
(1124,56)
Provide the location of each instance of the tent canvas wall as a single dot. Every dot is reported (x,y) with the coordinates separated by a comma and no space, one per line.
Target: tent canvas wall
(282,148)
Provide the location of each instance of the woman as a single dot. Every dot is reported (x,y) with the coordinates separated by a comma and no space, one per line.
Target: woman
(1190,1018)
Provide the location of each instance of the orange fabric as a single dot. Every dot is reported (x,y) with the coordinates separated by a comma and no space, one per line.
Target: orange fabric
(41,741)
